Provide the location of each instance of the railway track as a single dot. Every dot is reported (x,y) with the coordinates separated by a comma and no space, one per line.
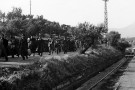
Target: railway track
(90,81)
(90,84)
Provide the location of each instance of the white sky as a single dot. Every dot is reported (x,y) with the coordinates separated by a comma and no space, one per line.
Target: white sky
(121,13)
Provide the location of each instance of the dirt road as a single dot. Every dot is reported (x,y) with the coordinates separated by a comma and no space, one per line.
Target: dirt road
(16,61)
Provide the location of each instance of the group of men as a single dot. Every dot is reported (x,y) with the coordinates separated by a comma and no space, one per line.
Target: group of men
(35,45)
(5,50)
(52,45)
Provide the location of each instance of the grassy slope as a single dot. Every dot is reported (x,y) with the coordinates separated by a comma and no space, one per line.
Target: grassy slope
(48,73)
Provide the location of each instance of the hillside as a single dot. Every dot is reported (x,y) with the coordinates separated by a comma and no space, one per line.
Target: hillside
(130,39)
(128,31)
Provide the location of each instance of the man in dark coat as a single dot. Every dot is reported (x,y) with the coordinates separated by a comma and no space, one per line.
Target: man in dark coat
(40,46)
(24,47)
(65,46)
(5,43)
(33,45)
(2,48)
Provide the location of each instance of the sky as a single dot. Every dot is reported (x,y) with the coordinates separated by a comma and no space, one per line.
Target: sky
(121,13)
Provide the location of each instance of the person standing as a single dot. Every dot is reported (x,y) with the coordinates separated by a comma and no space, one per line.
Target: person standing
(40,46)
(58,46)
(24,47)
(5,43)
(12,47)
(65,46)
(33,45)
(49,46)
(2,48)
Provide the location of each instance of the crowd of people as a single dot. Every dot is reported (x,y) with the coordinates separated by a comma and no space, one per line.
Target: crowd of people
(25,46)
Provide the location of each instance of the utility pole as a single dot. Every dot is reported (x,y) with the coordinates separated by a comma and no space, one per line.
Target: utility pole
(106,15)
(30,7)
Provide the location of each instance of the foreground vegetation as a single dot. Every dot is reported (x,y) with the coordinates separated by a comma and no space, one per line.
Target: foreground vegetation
(57,72)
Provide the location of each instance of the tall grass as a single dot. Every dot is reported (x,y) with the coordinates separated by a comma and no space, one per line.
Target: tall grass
(49,73)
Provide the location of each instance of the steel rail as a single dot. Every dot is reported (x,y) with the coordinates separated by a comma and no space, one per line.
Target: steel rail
(90,87)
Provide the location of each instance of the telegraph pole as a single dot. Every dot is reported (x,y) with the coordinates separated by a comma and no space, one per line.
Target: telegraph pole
(30,7)
(106,15)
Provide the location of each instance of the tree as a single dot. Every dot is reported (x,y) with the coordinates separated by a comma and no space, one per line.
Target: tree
(13,27)
(15,13)
(2,22)
(89,34)
(32,28)
(13,23)
(2,16)
(122,45)
(113,37)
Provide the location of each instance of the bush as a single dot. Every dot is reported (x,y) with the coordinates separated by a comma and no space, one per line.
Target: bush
(49,73)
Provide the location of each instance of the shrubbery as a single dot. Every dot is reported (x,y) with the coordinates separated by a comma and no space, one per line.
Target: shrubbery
(55,72)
